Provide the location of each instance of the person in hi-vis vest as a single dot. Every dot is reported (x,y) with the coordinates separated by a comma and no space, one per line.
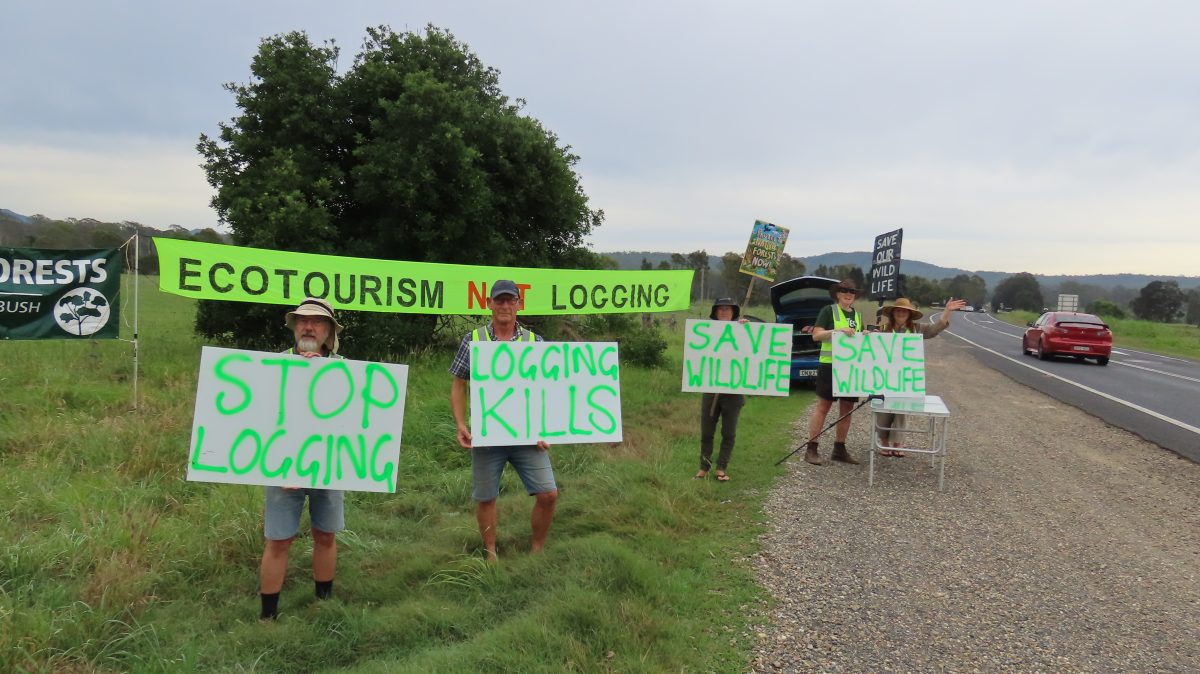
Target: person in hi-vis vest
(841,316)
(532,462)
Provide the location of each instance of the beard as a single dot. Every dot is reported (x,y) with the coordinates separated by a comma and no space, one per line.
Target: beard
(308,345)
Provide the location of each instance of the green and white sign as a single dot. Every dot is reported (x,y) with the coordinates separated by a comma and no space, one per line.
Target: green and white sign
(290,421)
(60,294)
(560,392)
(888,363)
(217,272)
(730,357)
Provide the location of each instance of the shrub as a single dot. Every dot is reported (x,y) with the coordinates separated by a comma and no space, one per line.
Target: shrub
(643,346)
(1106,309)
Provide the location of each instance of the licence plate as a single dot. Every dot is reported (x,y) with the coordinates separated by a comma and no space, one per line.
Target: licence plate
(810,373)
(1082,348)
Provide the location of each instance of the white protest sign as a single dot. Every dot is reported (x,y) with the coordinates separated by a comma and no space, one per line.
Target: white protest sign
(560,392)
(289,421)
(891,364)
(730,357)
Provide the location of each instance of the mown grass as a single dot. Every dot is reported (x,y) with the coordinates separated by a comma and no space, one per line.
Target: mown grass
(111,562)
(1172,339)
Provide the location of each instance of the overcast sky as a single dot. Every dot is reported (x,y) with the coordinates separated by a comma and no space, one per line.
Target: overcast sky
(1051,137)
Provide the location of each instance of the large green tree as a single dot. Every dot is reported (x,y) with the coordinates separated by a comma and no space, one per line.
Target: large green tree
(1019,291)
(413,153)
(1159,301)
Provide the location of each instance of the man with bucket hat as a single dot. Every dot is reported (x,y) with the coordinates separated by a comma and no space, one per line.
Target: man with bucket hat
(532,462)
(714,406)
(841,316)
(315,331)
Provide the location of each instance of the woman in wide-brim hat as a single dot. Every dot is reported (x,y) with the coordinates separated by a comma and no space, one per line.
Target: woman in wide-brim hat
(726,407)
(902,316)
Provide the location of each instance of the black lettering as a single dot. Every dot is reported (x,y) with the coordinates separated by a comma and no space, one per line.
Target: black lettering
(662,295)
(308,285)
(262,273)
(371,288)
(642,296)
(405,296)
(623,300)
(212,277)
(554,305)
(184,273)
(599,303)
(286,275)
(431,298)
(337,288)
(581,294)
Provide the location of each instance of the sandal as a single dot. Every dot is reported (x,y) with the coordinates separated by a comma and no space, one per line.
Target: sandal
(721,476)
(886,452)
(701,475)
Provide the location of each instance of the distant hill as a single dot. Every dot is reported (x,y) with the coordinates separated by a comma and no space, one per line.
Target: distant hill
(6,214)
(633,260)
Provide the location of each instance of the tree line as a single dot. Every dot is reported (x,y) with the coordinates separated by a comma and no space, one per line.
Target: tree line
(39,231)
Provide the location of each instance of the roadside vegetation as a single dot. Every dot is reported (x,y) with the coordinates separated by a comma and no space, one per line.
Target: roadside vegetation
(111,562)
(1172,339)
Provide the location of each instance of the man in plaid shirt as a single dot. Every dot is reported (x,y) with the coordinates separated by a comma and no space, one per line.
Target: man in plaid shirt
(532,462)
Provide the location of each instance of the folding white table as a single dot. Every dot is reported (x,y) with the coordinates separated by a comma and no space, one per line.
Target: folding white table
(929,408)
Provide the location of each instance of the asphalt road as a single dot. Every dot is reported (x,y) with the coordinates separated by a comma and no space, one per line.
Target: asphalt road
(1154,396)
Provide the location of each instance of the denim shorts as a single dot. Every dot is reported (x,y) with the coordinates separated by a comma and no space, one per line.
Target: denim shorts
(281,520)
(531,463)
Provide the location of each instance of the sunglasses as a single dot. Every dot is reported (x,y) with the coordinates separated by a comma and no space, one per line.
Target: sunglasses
(505,299)
(852,291)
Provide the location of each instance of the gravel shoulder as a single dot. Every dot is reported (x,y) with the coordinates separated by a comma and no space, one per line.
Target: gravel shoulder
(1060,544)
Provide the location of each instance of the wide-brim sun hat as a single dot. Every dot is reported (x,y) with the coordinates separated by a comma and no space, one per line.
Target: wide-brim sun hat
(901,303)
(725,302)
(844,284)
(315,306)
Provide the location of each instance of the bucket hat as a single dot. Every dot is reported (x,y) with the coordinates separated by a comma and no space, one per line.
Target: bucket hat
(314,306)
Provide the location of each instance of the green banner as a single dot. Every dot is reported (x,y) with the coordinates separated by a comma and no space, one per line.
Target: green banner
(59,294)
(216,272)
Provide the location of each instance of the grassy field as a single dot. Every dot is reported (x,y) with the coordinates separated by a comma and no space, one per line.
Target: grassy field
(1172,339)
(111,562)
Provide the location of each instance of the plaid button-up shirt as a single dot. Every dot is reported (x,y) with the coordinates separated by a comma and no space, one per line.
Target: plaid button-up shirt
(461,365)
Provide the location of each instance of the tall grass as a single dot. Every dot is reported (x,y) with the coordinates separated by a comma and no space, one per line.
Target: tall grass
(110,561)
(1172,339)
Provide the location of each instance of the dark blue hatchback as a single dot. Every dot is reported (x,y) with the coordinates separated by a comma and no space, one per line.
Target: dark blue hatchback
(797,302)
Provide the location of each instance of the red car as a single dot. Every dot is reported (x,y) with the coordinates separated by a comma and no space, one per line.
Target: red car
(1068,333)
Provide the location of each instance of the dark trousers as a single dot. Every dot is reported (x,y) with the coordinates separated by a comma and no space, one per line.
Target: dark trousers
(729,406)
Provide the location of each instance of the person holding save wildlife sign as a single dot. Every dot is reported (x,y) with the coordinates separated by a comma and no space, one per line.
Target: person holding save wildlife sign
(315,329)
(532,462)
(841,316)
(714,406)
(902,316)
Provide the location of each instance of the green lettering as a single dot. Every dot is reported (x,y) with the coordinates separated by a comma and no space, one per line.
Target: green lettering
(312,389)
(246,433)
(612,421)
(284,364)
(503,349)
(700,329)
(485,412)
(284,465)
(389,466)
(726,338)
(312,468)
(546,433)
(219,371)
(571,390)
(196,455)
(369,399)
(781,341)
(476,361)
(908,350)
(755,332)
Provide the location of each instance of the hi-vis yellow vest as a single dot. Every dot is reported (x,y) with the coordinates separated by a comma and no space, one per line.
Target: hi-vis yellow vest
(482,335)
(840,320)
